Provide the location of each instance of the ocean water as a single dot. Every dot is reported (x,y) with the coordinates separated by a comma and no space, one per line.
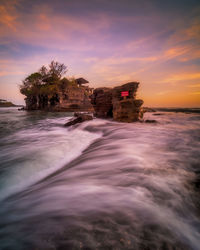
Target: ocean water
(100,184)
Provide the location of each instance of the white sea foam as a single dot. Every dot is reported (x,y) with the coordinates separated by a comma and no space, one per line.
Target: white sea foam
(37,152)
(131,189)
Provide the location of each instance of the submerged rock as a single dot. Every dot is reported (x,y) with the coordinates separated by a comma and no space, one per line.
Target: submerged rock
(80,117)
(150,121)
(158,114)
(22,108)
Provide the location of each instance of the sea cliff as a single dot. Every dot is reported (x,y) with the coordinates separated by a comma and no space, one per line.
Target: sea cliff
(120,103)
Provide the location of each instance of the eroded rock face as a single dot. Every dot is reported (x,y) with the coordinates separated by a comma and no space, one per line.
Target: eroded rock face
(101,100)
(75,98)
(131,87)
(109,102)
(126,109)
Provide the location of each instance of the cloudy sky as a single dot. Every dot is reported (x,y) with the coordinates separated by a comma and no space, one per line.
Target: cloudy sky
(108,42)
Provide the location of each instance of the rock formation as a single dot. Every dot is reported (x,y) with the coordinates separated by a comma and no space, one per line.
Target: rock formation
(70,97)
(79,117)
(101,100)
(119,103)
(47,89)
(74,98)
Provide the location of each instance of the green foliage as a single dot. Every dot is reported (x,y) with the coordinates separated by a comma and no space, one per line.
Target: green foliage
(73,82)
(49,90)
(67,83)
(45,81)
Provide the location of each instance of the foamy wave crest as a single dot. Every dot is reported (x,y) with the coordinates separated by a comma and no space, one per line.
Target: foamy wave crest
(36,153)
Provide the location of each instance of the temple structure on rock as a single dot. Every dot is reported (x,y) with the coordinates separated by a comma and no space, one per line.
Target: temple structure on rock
(65,97)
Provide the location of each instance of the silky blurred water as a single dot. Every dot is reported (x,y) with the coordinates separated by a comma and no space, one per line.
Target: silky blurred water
(101,184)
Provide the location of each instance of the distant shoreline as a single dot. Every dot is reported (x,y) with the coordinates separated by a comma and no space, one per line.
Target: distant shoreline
(9,105)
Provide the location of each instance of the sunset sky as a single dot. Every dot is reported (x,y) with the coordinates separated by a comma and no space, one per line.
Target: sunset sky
(108,42)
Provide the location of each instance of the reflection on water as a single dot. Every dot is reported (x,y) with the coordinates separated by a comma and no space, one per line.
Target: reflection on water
(132,187)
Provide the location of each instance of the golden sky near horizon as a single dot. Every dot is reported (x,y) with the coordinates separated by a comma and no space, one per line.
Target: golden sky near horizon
(107,42)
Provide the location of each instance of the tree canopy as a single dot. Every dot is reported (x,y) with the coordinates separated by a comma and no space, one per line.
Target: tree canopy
(46,80)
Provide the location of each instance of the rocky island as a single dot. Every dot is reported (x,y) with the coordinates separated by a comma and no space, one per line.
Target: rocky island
(120,103)
(48,90)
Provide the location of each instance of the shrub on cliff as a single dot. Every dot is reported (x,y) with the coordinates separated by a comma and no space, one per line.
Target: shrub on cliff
(46,81)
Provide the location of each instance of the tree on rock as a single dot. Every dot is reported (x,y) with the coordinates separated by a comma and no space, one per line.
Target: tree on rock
(57,69)
(40,80)
(40,88)
(49,89)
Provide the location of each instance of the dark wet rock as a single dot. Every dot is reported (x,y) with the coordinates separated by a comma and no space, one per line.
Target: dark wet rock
(158,114)
(22,108)
(80,117)
(101,100)
(146,109)
(84,115)
(73,122)
(150,121)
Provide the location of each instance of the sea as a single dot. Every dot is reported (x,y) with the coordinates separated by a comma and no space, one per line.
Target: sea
(99,184)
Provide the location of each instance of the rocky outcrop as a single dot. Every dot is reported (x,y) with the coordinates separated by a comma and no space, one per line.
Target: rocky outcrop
(80,117)
(126,108)
(73,97)
(150,121)
(119,103)
(101,100)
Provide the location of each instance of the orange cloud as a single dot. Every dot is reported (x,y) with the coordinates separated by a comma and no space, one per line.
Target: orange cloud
(193,32)
(194,85)
(195,93)
(8,15)
(9,73)
(182,77)
(187,32)
(50,29)
(176,51)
